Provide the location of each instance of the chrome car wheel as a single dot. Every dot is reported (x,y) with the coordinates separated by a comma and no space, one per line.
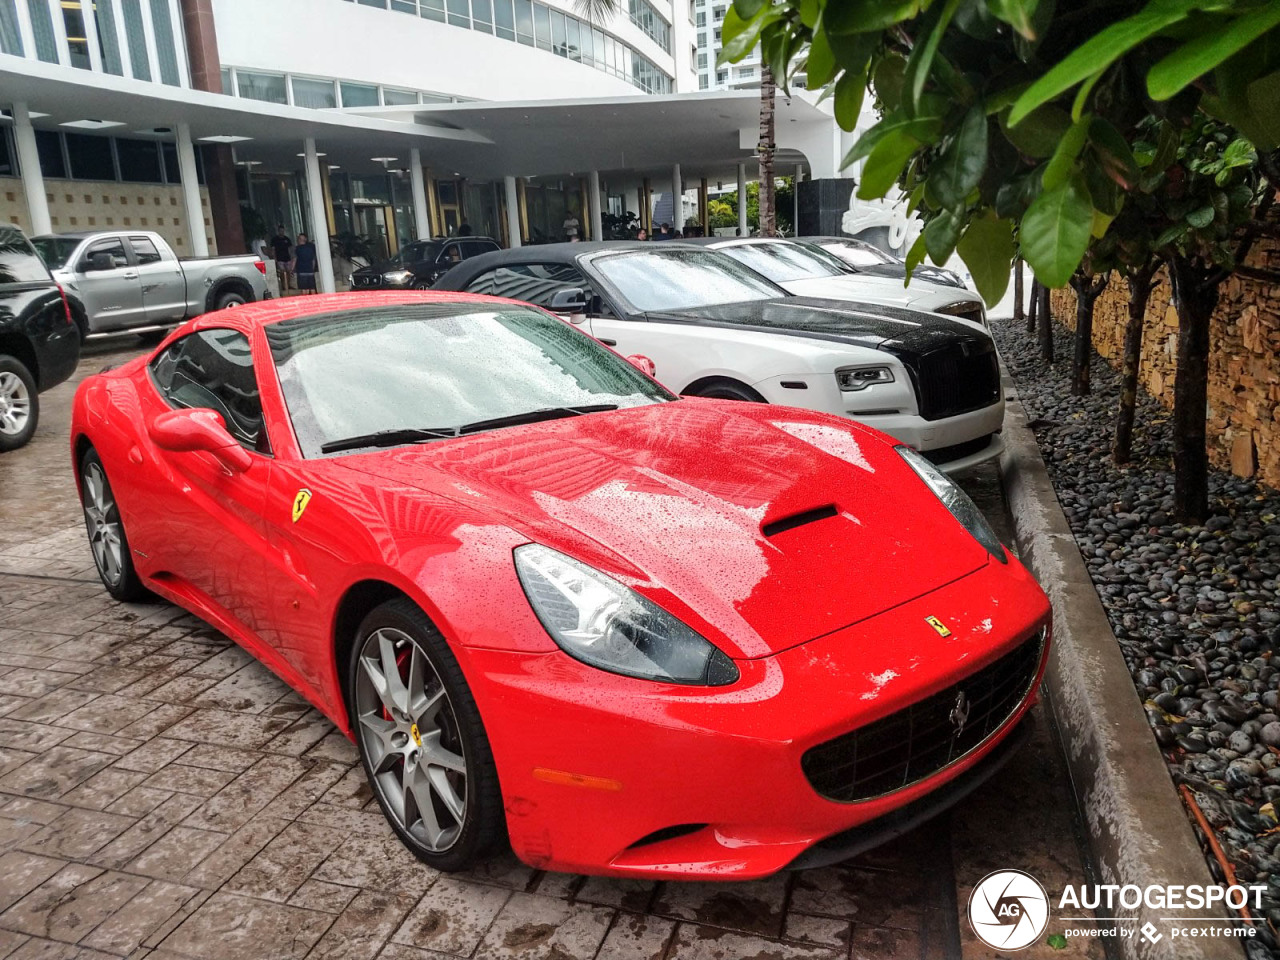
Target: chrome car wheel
(102,518)
(409,733)
(15,404)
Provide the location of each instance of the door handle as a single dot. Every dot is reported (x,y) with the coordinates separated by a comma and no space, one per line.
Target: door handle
(609,343)
(131,275)
(135,456)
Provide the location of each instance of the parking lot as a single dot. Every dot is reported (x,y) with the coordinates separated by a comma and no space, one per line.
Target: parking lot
(163,795)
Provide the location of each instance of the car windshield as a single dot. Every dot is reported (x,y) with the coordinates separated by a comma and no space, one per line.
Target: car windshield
(679,279)
(784,262)
(858,254)
(55,251)
(436,368)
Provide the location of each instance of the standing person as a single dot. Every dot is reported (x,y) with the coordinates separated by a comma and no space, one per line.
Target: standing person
(664,232)
(571,227)
(464,229)
(282,249)
(305,264)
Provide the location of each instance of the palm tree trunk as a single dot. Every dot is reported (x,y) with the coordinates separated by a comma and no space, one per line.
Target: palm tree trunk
(766,147)
(1018,314)
(1140,284)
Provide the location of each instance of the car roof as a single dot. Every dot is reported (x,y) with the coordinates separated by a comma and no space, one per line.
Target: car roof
(854,240)
(566,253)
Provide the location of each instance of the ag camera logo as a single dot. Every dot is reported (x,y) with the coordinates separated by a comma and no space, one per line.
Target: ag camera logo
(1009,910)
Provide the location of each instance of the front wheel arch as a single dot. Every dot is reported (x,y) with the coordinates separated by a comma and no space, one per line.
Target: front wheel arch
(227,286)
(720,387)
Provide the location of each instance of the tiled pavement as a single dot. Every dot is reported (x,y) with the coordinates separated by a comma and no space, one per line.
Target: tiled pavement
(164,796)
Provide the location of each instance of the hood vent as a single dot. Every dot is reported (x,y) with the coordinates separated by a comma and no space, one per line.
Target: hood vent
(775,527)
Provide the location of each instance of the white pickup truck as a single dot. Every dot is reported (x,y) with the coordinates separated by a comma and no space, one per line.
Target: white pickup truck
(119,279)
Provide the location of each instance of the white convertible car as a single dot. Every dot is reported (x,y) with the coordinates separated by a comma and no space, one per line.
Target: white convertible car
(715,328)
(807,270)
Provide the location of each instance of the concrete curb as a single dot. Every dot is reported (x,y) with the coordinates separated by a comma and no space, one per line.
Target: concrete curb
(1137,829)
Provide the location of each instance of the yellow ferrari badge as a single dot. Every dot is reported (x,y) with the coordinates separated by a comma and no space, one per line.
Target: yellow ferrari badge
(938,626)
(300,503)
(416,735)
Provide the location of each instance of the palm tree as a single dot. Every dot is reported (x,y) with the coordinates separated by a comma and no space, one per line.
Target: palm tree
(765,148)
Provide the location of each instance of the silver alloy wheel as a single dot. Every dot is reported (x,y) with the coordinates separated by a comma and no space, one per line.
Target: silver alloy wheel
(103,520)
(409,732)
(15,404)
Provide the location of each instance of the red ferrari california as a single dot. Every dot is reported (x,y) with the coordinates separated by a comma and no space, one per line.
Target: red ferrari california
(553,602)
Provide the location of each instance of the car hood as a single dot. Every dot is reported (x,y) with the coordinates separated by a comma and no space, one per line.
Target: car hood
(378,269)
(697,503)
(865,324)
(867,288)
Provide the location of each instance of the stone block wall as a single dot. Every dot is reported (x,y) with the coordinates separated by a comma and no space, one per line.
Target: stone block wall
(92,205)
(1244,360)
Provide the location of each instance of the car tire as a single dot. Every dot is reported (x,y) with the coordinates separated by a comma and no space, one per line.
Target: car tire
(420,285)
(107,540)
(231,298)
(19,404)
(727,390)
(411,741)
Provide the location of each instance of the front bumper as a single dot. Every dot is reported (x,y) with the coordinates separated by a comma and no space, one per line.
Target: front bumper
(610,775)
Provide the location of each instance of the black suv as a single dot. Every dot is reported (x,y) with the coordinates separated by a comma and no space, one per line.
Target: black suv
(420,264)
(39,342)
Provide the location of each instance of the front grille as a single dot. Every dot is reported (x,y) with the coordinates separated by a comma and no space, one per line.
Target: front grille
(955,378)
(918,741)
(941,455)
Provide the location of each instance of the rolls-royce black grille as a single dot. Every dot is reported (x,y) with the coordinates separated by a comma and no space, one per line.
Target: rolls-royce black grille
(955,378)
(916,742)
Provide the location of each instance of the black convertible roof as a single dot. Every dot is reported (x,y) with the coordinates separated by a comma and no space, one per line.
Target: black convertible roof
(567,253)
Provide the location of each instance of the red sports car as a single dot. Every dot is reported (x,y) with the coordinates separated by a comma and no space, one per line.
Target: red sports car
(551,601)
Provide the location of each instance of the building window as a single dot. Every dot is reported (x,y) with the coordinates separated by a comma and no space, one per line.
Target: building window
(77,42)
(504,19)
(90,157)
(228,83)
(524,21)
(8,168)
(482,15)
(139,161)
(746,73)
(313,93)
(645,16)
(702,41)
(42,28)
(432,9)
(701,20)
(717,36)
(104,15)
(405,6)
(459,12)
(137,39)
(722,76)
(359,94)
(166,49)
(542,26)
(397,98)
(268,87)
(703,84)
(702,61)
(10,36)
(53,163)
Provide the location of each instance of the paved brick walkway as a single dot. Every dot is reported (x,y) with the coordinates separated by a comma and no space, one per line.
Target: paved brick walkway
(162,795)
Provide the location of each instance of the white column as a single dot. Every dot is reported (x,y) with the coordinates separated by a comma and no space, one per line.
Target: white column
(59,33)
(513,212)
(593,198)
(91,35)
(191,192)
(677,198)
(421,215)
(742,199)
(26,32)
(319,217)
(24,136)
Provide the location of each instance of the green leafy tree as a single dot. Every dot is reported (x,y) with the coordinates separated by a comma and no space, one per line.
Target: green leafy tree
(1014,126)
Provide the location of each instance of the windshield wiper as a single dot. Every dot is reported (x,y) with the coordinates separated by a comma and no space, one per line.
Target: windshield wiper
(534,416)
(401,435)
(389,438)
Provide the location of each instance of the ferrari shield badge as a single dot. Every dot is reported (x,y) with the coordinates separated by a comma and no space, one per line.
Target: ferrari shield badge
(938,625)
(300,503)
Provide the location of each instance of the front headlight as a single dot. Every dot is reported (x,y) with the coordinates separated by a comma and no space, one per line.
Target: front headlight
(955,500)
(597,620)
(397,276)
(859,378)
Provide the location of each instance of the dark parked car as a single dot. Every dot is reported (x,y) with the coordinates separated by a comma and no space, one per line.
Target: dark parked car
(420,264)
(870,259)
(39,342)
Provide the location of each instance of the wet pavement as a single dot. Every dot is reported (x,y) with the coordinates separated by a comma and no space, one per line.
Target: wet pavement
(162,795)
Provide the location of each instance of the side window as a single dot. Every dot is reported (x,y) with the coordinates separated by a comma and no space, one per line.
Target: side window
(451,254)
(536,283)
(115,247)
(413,253)
(144,250)
(214,369)
(473,248)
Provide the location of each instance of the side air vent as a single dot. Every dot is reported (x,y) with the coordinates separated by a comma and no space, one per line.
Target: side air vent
(667,833)
(799,520)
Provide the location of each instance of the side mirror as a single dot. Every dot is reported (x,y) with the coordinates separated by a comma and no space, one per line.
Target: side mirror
(568,300)
(643,364)
(99,261)
(199,428)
